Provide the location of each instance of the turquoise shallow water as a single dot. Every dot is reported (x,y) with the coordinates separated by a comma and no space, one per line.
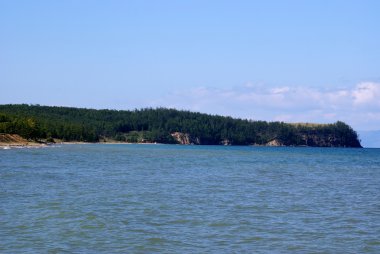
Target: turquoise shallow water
(189,199)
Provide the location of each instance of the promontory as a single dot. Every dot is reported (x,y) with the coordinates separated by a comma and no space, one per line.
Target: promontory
(163,125)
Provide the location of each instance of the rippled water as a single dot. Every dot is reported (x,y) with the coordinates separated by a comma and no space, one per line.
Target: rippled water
(189,199)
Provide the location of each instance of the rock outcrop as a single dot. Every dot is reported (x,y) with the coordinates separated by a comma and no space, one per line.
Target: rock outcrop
(226,142)
(15,140)
(274,142)
(322,140)
(185,138)
(12,139)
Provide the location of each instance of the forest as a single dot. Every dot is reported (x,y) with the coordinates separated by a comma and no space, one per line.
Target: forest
(50,123)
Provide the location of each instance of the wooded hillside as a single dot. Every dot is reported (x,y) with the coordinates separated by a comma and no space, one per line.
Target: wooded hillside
(159,125)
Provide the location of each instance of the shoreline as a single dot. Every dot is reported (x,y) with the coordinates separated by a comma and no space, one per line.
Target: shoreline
(6,146)
(38,145)
(9,141)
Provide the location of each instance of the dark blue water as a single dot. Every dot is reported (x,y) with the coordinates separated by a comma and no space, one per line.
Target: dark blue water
(189,199)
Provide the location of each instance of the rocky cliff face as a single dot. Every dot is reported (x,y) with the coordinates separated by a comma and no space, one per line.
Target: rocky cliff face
(12,139)
(274,142)
(225,142)
(325,141)
(316,140)
(15,140)
(185,138)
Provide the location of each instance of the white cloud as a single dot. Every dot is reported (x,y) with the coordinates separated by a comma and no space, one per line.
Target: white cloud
(358,105)
(367,94)
(278,90)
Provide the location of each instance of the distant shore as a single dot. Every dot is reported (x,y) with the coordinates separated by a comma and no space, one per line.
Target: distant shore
(104,143)
(36,145)
(16,141)
(8,141)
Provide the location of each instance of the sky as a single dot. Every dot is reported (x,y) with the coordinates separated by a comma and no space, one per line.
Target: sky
(293,61)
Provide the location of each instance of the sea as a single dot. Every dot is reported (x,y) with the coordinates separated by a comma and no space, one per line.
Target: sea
(130,198)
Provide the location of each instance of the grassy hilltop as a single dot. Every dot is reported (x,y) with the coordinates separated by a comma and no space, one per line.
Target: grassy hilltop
(163,125)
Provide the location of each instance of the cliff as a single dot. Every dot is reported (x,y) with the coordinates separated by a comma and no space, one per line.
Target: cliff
(15,140)
(185,138)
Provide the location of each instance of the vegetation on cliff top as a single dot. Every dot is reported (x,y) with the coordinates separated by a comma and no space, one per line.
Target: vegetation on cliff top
(156,125)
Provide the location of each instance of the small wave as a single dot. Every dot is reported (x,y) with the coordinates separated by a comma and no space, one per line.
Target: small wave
(8,147)
(53,146)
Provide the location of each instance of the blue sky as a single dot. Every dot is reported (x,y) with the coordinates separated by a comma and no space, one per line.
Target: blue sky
(295,61)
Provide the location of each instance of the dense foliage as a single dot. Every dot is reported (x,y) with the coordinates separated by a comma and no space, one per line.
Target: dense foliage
(156,125)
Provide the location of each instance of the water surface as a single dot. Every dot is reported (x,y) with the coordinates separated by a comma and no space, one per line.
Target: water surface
(189,199)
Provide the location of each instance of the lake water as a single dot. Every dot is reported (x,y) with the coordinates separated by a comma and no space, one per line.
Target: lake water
(189,199)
